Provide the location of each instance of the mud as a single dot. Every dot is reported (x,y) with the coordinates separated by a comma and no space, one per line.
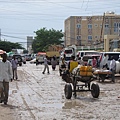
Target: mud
(37,96)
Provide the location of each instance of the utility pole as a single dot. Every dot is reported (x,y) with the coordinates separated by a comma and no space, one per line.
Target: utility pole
(102,28)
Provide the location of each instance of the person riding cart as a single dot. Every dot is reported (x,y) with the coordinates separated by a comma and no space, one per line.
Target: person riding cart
(72,64)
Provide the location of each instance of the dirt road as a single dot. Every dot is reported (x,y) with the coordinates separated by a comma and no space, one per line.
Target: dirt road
(37,96)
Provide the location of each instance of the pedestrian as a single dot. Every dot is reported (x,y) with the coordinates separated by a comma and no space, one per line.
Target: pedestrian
(105,61)
(14,63)
(63,63)
(46,65)
(37,62)
(80,61)
(5,77)
(113,68)
(98,62)
(94,62)
(53,63)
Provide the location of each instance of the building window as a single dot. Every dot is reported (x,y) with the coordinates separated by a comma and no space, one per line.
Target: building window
(106,25)
(78,37)
(96,25)
(89,37)
(116,27)
(89,26)
(78,19)
(89,31)
(78,25)
(101,25)
(96,36)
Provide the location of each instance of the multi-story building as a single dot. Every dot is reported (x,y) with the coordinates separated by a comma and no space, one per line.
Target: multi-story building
(29,43)
(90,30)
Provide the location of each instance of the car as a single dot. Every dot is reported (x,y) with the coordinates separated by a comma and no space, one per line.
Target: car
(28,57)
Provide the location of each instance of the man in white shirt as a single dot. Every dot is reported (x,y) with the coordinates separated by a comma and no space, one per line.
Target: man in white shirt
(5,77)
(113,68)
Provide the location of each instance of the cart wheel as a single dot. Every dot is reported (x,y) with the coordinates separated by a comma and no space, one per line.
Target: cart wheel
(68,91)
(95,90)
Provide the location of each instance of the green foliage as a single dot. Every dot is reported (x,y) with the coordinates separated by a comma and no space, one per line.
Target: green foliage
(45,37)
(8,46)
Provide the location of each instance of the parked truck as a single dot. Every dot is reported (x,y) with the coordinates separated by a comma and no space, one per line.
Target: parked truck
(50,54)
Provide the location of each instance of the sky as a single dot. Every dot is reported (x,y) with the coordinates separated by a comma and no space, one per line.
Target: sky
(20,18)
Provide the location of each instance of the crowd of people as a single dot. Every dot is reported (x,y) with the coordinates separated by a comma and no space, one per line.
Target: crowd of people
(96,62)
(9,70)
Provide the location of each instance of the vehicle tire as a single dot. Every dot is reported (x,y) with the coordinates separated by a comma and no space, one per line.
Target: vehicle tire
(20,64)
(95,90)
(68,91)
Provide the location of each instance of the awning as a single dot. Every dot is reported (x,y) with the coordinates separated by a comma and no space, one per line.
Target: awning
(41,53)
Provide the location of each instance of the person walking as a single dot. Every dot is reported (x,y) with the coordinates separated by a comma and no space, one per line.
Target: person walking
(5,77)
(94,62)
(113,68)
(46,65)
(53,63)
(14,63)
(105,61)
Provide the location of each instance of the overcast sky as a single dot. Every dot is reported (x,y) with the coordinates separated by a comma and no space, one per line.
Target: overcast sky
(20,18)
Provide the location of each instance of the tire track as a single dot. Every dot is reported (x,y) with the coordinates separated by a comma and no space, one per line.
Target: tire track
(22,75)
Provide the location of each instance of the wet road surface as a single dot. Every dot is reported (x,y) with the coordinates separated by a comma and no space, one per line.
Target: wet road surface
(37,96)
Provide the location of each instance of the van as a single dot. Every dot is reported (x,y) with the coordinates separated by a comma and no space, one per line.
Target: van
(116,56)
(90,52)
(68,52)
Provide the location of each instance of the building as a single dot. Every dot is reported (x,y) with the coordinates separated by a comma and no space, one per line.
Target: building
(29,43)
(90,30)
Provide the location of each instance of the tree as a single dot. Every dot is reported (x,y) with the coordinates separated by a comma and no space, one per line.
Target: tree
(45,37)
(8,46)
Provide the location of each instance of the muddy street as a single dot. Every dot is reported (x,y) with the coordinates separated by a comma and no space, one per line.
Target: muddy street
(37,96)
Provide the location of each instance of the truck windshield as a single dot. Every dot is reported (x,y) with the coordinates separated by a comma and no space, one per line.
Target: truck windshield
(68,51)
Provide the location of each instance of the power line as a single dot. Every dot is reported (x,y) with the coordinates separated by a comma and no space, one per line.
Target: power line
(12,36)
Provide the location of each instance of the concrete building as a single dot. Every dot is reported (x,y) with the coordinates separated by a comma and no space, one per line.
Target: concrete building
(90,30)
(29,43)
